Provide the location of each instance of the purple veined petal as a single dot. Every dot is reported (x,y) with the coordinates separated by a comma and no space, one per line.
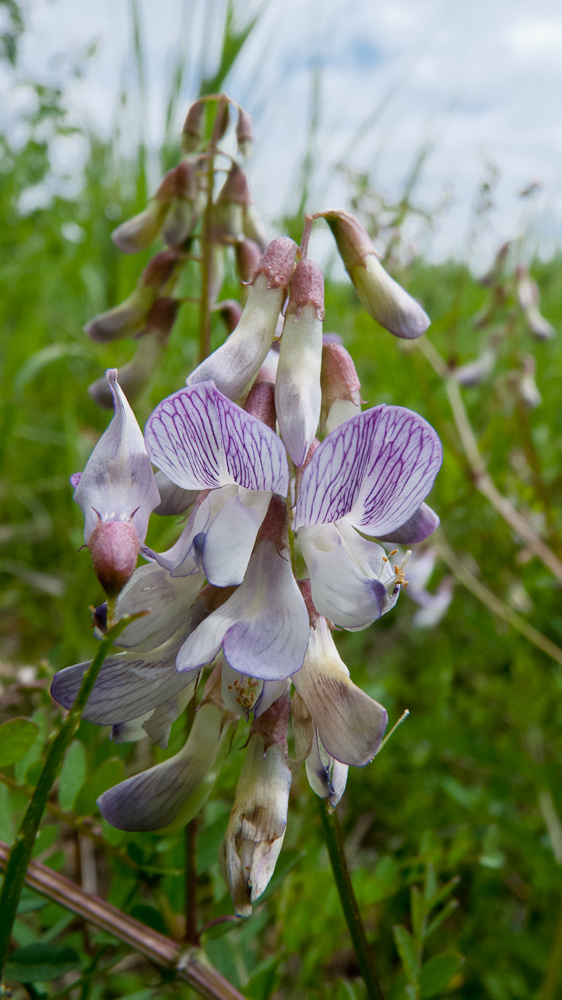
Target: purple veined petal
(118,482)
(345,586)
(224,549)
(350,724)
(159,724)
(129,732)
(173,500)
(423,522)
(375,470)
(326,776)
(169,600)
(174,791)
(262,627)
(202,440)
(129,684)
(244,695)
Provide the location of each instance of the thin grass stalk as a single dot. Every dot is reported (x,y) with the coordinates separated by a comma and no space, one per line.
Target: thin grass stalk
(22,848)
(351,912)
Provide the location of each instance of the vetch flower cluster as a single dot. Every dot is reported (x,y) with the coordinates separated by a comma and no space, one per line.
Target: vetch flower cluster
(286,536)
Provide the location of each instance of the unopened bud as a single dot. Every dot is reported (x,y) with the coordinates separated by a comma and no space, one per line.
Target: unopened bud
(124,320)
(297,386)
(527,386)
(497,269)
(252,226)
(115,547)
(247,259)
(380,295)
(527,290)
(477,371)
(136,375)
(139,232)
(341,389)
(161,272)
(244,132)
(192,132)
(260,403)
(235,363)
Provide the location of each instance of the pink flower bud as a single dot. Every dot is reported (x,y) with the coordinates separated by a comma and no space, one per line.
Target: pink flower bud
(192,132)
(139,232)
(114,546)
(247,259)
(341,389)
(380,295)
(297,386)
(260,403)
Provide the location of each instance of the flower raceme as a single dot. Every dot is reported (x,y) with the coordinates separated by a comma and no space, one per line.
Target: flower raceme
(255,502)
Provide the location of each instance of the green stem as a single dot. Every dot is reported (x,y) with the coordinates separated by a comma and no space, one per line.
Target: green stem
(22,849)
(336,852)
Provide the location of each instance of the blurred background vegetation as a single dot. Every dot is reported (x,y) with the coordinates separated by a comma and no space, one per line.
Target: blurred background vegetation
(468,788)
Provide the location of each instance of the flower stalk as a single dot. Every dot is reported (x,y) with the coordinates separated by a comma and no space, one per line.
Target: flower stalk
(342,878)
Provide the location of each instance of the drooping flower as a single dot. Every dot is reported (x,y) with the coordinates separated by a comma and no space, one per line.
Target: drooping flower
(117,493)
(203,441)
(380,295)
(370,476)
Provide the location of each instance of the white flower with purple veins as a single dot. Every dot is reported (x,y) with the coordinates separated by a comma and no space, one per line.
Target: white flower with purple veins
(117,493)
(203,441)
(370,476)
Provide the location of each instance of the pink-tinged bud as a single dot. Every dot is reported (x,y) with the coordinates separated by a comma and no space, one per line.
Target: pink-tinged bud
(260,403)
(230,312)
(162,271)
(125,320)
(274,526)
(135,376)
(235,189)
(139,232)
(244,132)
(380,295)
(192,132)
(227,210)
(268,370)
(341,389)
(247,259)
(115,547)
(236,362)
(297,387)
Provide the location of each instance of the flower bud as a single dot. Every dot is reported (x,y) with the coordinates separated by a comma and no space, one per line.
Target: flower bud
(114,547)
(297,386)
(339,382)
(380,295)
(252,226)
(131,316)
(529,300)
(247,259)
(134,376)
(192,132)
(139,232)
(244,132)
(260,403)
(257,823)
(327,777)
(476,371)
(233,197)
(232,366)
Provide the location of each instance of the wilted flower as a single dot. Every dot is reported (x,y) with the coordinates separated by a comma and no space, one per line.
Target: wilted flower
(380,295)
(256,828)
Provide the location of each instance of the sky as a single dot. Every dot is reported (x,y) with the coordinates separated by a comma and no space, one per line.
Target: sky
(477,83)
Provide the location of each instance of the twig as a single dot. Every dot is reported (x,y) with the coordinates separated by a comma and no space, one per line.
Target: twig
(481,477)
(189,965)
(336,852)
(492,602)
